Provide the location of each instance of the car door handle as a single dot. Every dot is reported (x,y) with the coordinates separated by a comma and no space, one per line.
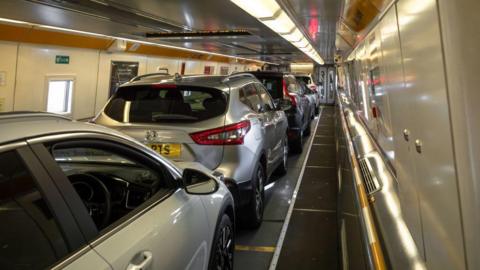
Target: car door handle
(141,261)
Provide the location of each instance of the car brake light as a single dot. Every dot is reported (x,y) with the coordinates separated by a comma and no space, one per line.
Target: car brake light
(227,135)
(288,94)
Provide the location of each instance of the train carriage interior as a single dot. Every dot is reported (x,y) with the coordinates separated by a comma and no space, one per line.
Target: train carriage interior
(239,134)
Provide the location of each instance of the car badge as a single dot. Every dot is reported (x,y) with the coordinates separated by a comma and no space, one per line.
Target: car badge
(151,135)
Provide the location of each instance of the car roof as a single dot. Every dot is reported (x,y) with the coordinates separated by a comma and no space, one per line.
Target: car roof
(222,82)
(269,73)
(17,126)
(301,75)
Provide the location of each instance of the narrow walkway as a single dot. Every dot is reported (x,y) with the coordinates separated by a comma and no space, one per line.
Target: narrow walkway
(311,238)
(254,249)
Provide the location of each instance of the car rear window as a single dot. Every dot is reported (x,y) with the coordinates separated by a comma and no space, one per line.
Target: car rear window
(273,85)
(165,103)
(305,79)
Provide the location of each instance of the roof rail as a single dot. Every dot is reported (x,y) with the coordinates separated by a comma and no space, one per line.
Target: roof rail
(238,75)
(25,114)
(138,78)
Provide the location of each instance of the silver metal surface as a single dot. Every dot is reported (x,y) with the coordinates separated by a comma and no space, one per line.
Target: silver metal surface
(460,39)
(134,19)
(156,228)
(400,250)
(319,20)
(434,174)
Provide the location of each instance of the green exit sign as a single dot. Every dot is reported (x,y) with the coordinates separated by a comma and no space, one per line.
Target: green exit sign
(62,59)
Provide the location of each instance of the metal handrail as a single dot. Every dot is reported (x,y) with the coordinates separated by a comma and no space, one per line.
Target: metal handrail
(371,241)
(382,221)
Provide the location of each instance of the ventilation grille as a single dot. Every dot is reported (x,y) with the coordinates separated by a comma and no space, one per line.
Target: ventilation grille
(371,182)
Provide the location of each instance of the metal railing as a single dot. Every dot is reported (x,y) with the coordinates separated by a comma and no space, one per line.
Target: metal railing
(375,213)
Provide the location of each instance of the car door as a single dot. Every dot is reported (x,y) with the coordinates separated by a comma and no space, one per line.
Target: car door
(278,122)
(156,225)
(266,117)
(37,230)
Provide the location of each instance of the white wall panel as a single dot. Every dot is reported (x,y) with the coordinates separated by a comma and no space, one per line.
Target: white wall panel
(194,67)
(399,100)
(153,63)
(8,56)
(430,122)
(89,68)
(36,63)
(461,38)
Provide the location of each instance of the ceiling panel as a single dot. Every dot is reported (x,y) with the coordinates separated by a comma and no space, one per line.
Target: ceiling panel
(319,20)
(134,19)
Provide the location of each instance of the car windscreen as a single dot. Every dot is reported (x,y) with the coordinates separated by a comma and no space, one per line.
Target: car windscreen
(166,103)
(304,79)
(273,85)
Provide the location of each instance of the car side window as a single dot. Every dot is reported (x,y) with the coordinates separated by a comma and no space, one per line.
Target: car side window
(293,86)
(30,238)
(250,97)
(265,97)
(109,181)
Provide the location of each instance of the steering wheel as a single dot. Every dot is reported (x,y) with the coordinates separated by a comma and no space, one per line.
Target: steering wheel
(99,205)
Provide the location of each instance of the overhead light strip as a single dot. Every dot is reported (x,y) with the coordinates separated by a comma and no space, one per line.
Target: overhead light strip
(274,17)
(128,39)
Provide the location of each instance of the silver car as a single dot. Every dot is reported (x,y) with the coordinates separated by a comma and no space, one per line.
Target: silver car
(228,123)
(81,196)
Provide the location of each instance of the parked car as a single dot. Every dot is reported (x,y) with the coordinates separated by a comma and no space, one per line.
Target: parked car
(283,87)
(312,98)
(81,196)
(228,123)
(307,79)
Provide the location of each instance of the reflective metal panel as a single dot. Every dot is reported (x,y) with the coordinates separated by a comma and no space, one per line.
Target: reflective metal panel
(134,19)
(431,134)
(319,19)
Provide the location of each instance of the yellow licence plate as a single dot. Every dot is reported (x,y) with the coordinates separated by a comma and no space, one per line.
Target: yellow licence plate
(167,149)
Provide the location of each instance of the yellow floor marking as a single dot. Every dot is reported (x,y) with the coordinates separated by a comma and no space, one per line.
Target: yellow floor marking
(254,248)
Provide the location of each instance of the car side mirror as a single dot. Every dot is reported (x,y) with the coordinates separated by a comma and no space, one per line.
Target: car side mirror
(198,183)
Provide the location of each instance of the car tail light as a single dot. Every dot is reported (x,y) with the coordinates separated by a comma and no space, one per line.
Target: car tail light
(227,135)
(288,94)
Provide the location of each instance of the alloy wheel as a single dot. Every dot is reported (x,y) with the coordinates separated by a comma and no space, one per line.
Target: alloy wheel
(285,153)
(259,194)
(224,250)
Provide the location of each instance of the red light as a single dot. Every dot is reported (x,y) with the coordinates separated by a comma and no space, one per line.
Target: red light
(227,135)
(288,94)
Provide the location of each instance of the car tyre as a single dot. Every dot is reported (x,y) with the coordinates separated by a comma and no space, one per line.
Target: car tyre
(282,169)
(297,145)
(254,210)
(223,246)
(308,129)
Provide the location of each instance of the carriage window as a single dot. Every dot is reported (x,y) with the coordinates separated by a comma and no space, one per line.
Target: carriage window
(60,96)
